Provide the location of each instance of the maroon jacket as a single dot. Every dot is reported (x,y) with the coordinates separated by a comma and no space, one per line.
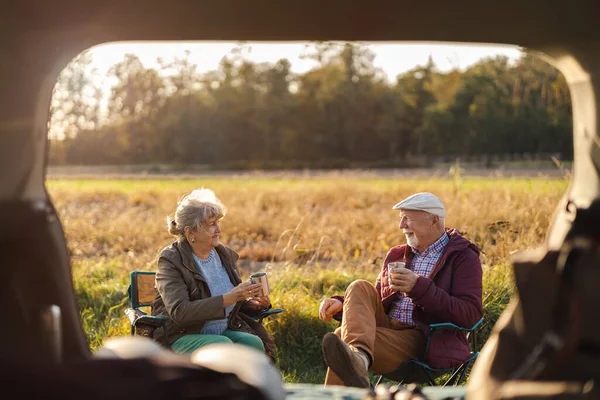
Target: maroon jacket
(452,293)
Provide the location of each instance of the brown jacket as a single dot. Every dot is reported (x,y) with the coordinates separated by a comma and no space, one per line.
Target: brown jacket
(184,298)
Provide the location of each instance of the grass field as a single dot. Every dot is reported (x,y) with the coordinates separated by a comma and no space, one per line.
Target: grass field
(313,235)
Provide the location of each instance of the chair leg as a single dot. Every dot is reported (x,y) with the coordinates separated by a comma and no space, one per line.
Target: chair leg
(463,373)
(166,337)
(429,378)
(454,376)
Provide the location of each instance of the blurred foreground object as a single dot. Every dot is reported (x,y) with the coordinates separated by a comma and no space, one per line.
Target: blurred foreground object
(126,347)
(250,366)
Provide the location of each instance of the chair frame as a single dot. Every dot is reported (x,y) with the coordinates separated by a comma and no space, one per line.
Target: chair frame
(138,316)
(267,313)
(425,373)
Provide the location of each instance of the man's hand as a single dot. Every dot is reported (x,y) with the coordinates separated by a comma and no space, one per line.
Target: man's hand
(403,280)
(328,308)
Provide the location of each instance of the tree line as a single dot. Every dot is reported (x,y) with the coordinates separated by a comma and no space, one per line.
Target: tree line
(344,112)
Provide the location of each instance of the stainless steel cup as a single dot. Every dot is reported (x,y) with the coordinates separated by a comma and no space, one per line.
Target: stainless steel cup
(261,277)
(394,266)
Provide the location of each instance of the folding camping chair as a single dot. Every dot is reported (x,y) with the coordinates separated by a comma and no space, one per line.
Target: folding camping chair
(416,371)
(141,293)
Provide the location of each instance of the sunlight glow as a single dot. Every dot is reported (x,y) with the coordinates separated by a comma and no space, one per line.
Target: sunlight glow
(392,58)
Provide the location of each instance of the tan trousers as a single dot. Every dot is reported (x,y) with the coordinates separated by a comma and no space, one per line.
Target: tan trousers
(365,325)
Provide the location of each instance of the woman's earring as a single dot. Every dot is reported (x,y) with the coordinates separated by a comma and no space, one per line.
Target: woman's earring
(193,240)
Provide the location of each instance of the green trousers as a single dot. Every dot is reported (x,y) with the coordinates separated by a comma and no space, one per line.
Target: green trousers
(189,343)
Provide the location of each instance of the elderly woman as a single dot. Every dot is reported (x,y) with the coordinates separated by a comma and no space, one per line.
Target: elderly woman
(198,285)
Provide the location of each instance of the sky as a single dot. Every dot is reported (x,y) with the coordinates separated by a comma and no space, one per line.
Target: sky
(392,58)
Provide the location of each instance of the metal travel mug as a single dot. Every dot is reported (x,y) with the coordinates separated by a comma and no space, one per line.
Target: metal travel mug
(261,277)
(394,266)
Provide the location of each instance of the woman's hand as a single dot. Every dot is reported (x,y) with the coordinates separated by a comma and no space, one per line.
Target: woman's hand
(255,306)
(260,302)
(241,292)
(328,308)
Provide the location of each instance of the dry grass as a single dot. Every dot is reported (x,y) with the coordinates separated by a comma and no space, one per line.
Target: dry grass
(319,234)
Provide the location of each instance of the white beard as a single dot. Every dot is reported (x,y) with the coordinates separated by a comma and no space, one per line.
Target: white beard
(412,241)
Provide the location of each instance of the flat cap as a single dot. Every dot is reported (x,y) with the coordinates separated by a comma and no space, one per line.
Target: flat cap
(423,201)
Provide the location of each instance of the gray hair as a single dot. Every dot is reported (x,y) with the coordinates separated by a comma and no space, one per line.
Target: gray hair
(195,209)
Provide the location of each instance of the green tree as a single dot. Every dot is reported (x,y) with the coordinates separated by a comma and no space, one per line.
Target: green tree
(75,106)
(341,112)
(133,105)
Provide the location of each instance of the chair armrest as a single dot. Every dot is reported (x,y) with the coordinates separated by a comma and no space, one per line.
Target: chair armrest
(272,312)
(150,320)
(450,326)
(267,313)
(447,326)
(133,314)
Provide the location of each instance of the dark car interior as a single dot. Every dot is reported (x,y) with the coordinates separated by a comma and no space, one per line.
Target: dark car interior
(537,350)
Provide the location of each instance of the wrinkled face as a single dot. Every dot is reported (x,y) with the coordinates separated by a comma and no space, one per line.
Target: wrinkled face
(418,227)
(208,234)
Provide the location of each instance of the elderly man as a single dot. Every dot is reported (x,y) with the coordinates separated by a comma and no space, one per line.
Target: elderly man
(385,325)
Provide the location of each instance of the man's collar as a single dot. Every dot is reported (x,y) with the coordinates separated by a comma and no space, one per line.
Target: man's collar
(436,246)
